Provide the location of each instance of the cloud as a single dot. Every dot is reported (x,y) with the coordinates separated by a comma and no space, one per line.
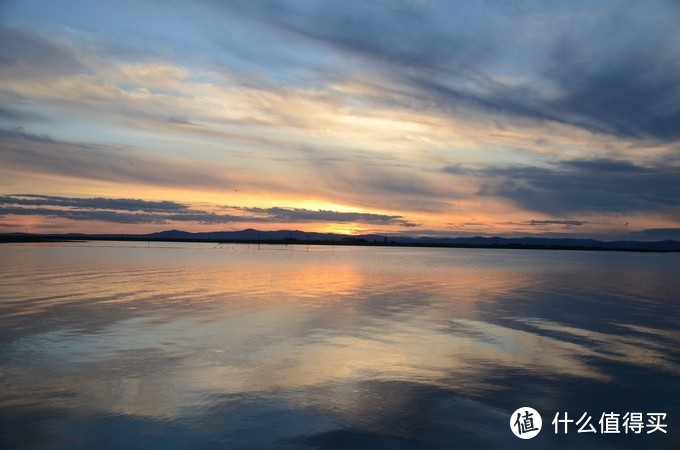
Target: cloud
(382,184)
(569,108)
(458,59)
(27,152)
(613,94)
(571,223)
(312,171)
(17,115)
(24,50)
(18,133)
(307,215)
(353,177)
(573,186)
(117,204)
(657,233)
(106,216)
(162,212)
(463,57)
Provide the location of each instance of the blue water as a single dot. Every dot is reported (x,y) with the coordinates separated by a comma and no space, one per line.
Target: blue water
(120,346)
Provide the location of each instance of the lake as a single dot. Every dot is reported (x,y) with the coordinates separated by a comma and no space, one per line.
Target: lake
(139,346)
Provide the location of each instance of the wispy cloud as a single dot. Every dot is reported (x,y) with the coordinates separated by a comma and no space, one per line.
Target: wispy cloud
(544,115)
(22,51)
(28,152)
(17,115)
(441,58)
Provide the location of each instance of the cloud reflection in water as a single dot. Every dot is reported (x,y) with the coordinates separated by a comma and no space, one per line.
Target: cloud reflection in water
(327,348)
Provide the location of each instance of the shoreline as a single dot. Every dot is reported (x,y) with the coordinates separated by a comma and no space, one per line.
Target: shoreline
(351,243)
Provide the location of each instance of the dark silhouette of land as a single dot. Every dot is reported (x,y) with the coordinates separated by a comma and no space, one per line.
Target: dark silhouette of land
(295,237)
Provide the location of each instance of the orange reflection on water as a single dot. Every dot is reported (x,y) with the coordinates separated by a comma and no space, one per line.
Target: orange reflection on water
(152,332)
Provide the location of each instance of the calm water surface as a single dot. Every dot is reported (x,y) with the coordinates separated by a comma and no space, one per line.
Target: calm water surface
(120,346)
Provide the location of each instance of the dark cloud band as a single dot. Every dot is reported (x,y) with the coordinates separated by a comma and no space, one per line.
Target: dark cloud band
(134,211)
(581,186)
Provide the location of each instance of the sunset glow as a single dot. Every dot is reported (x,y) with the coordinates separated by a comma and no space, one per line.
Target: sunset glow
(417,118)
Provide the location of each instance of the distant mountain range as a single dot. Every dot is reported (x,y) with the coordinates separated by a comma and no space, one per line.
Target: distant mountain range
(299,237)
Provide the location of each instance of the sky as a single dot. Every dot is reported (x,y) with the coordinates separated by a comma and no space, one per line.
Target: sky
(398,117)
